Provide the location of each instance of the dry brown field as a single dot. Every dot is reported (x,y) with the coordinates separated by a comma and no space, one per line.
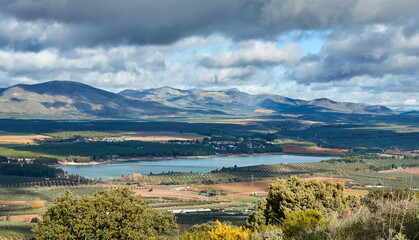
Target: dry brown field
(240,187)
(355,192)
(158,136)
(19,138)
(25,218)
(158,192)
(408,170)
(328,179)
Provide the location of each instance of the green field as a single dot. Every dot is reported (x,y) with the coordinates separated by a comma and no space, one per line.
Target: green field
(357,135)
(83,134)
(30,194)
(15,230)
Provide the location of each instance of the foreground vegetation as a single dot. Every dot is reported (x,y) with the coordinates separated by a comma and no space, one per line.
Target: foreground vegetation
(293,209)
(296,209)
(115,214)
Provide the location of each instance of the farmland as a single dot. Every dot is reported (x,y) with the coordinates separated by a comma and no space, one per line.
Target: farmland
(358,161)
(359,170)
(47,194)
(159,136)
(19,138)
(15,230)
(357,135)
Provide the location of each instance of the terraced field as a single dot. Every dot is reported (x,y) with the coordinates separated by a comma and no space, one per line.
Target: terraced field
(360,169)
(47,194)
(15,230)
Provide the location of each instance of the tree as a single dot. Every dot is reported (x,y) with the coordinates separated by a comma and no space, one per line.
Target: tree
(3,159)
(293,194)
(115,214)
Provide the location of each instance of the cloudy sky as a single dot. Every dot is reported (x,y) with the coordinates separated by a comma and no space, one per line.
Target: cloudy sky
(357,50)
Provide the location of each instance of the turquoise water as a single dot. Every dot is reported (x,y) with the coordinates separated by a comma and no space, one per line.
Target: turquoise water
(200,165)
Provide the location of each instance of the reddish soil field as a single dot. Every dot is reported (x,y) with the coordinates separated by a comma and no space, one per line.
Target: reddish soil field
(24,218)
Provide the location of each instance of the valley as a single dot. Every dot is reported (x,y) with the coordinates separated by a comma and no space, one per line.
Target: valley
(202,161)
(209,120)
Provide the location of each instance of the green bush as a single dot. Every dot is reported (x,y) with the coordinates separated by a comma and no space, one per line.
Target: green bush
(115,214)
(293,194)
(268,233)
(388,220)
(303,221)
(201,231)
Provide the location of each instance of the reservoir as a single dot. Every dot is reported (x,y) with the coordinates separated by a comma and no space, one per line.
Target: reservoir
(201,165)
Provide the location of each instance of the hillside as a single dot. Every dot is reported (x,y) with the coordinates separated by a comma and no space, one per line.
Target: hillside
(233,100)
(73,100)
(64,99)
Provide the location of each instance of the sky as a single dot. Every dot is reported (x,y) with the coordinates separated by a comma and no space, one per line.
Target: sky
(356,51)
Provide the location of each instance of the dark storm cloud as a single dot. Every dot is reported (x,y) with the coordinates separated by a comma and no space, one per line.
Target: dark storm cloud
(370,47)
(97,22)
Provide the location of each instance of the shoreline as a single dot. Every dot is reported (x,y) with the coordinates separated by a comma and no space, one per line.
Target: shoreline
(168,158)
(158,158)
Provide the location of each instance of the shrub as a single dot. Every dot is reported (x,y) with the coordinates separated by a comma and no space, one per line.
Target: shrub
(223,230)
(387,220)
(293,194)
(36,204)
(114,214)
(227,232)
(303,221)
(268,233)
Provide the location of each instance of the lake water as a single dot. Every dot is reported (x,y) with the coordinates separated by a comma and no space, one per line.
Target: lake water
(201,165)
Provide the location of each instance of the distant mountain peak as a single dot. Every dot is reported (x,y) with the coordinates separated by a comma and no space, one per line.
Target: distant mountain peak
(234,100)
(68,99)
(232,90)
(323,100)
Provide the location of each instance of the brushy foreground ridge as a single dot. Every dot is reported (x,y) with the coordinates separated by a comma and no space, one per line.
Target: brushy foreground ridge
(293,209)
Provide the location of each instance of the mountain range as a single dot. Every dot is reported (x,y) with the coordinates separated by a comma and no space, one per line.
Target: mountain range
(74,100)
(64,99)
(233,101)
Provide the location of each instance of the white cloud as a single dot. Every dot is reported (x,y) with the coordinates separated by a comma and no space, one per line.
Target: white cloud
(375,51)
(411,101)
(254,53)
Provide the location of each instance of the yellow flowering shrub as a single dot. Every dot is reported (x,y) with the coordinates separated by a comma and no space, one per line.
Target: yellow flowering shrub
(36,204)
(226,232)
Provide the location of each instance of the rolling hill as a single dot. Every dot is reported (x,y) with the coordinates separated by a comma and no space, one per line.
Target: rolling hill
(69,100)
(74,100)
(235,101)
